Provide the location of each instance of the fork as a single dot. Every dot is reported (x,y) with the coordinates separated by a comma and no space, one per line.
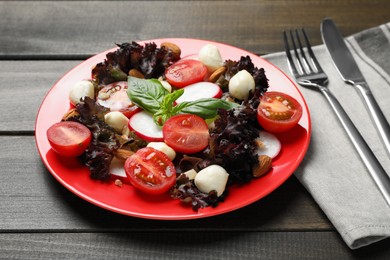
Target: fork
(308,73)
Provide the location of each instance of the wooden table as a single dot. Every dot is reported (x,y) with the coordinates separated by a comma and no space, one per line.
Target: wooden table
(39,218)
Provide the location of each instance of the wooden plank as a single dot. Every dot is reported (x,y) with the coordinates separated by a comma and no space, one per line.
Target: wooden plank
(184,245)
(23,87)
(32,200)
(86,27)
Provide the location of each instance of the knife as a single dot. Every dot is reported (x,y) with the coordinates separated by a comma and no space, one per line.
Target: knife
(350,73)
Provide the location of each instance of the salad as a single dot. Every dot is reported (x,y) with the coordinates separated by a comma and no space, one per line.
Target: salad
(187,126)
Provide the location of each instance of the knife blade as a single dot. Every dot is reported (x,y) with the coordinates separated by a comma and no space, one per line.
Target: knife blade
(351,74)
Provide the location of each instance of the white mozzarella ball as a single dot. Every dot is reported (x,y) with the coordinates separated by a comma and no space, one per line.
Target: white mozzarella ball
(213,177)
(190,174)
(240,85)
(209,55)
(116,120)
(163,147)
(83,88)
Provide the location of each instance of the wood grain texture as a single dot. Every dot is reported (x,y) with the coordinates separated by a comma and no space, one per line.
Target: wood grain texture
(35,201)
(75,28)
(23,87)
(181,245)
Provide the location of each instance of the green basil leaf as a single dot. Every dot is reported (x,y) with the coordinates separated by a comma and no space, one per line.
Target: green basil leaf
(167,108)
(151,96)
(205,107)
(146,94)
(161,116)
(169,99)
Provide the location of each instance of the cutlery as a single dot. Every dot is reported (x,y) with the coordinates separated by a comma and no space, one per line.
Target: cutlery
(308,73)
(350,73)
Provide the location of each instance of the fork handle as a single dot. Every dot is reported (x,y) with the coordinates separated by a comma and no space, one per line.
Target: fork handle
(376,113)
(374,167)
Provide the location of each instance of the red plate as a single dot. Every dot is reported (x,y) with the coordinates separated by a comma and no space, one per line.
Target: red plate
(126,200)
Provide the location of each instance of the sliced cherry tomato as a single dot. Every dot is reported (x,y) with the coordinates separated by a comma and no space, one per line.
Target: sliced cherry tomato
(186,133)
(278,112)
(150,171)
(185,72)
(114,96)
(68,138)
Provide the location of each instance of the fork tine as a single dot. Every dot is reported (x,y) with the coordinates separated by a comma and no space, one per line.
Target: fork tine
(289,57)
(306,65)
(309,74)
(299,62)
(311,53)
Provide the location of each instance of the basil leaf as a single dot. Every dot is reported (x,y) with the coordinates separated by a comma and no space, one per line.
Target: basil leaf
(146,94)
(205,107)
(152,97)
(167,108)
(160,117)
(169,99)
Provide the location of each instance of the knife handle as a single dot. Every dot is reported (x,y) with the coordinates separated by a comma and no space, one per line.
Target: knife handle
(374,167)
(376,113)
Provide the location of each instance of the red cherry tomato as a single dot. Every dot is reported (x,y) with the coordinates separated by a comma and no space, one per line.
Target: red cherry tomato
(68,138)
(186,133)
(114,96)
(278,112)
(150,171)
(185,72)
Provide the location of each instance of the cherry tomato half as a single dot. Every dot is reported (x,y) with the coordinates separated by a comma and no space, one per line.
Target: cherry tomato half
(150,171)
(278,112)
(114,96)
(186,133)
(68,138)
(185,72)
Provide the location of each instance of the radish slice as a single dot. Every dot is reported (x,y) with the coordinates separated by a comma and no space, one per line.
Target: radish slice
(117,171)
(200,90)
(269,144)
(144,127)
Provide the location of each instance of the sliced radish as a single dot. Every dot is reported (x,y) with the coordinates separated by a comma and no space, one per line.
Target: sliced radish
(117,171)
(143,125)
(200,90)
(114,96)
(269,144)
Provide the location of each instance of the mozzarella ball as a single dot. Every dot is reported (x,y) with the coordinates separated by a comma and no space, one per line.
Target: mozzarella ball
(213,177)
(240,85)
(190,174)
(163,147)
(83,88)
(209,55)
(116,120)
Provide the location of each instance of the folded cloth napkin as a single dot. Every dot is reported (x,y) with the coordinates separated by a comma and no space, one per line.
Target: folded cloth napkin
(332,170)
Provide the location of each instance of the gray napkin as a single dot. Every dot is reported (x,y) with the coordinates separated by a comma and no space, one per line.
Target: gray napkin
(332,170)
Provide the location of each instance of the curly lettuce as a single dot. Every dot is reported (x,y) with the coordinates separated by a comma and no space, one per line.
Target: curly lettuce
(100,151)
(150,60)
